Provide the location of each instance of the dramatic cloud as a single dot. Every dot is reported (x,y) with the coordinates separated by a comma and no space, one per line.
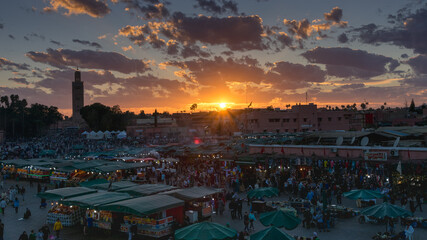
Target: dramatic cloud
(63,58)
(88,43)
(418,64)
(303,29)
(93,8)
(19,80)
(346,62)
(152,10)
(217,6)
(237,33)
(292,75)
(409,31)
(8,65)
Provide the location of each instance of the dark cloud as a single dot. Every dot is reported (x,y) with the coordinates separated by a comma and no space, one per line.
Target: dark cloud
(93,8)
(35,35)
(56,43)
(11,36)
(1,26)
(418,64)
(194,51)
(335,16)
(404,55)
(350,86)
(150,10)
(217,6)
(26,38)
(346,62)
(63,58)
(409,31)
(342,38)
(19,80)
(8,65)
(292,75)
(88,43)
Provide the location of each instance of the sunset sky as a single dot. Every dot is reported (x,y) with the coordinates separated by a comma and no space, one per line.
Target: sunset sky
(146,54)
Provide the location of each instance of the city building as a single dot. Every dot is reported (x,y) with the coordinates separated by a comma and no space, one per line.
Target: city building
(300,118)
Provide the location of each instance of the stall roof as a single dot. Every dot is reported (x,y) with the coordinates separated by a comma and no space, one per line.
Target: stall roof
(88,165)
(93,182)
(146,189)
(143,206)
(193,193)
(68,192)
(115,185)
(94,200)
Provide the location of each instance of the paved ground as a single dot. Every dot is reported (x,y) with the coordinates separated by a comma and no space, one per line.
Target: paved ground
(344,229)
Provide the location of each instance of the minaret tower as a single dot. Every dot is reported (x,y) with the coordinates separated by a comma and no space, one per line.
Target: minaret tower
(78,95)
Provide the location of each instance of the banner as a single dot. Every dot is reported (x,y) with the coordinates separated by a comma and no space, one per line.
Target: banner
(376,156)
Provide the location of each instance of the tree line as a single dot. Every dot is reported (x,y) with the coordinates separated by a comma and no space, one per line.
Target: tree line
(18,119)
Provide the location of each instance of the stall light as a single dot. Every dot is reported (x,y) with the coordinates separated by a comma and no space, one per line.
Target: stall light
(387,179)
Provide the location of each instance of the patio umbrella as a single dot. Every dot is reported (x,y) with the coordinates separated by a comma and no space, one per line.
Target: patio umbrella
(363,194)
(279,219)
(205,231)
(271,233)
(386,210)
(263,192)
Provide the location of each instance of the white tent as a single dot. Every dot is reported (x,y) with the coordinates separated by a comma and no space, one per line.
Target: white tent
(107,134)
(121,135)
(91,135)
(85,133)
(99,135)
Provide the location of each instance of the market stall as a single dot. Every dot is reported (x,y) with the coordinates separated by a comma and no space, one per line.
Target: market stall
(64,193)
(68,215)
(153,215)
(197,199)
(91,202)
(114,186)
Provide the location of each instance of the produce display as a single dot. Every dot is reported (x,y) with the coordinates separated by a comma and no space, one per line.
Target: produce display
(58,176)
(101,219)
(149,226)
(80,176)
(68,215)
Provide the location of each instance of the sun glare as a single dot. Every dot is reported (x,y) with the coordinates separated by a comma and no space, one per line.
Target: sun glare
(223,105)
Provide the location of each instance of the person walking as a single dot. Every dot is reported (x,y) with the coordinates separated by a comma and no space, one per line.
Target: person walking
(57,227)
(1,230)
(32,235)
(409,232)
(39,235)
(246,221)
(46,231)
(16,204)
(252,219)
(3,205)
(23,236)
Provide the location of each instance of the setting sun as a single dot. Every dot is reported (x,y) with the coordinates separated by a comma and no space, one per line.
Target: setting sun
(223,105)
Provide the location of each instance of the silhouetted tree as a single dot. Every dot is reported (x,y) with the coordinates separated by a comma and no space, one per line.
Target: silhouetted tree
(412,106)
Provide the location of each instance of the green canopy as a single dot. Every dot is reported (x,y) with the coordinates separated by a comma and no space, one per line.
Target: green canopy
(363,194)
(205,231)
(146,189)
(386,210)
(68,192)
(94,200)
(78,147)
(115,185)
(279,219)
(47,153)
(88,165)
(271,233)
(93,182)
(193,193)
(143,206)
(263,192)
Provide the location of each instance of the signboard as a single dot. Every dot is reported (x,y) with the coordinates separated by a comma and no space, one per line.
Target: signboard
(376,156)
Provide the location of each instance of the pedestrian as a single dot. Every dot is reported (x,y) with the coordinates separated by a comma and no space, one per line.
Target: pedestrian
(419,202)
(23,236)
(46,232)
(246,221)
(57,227)
(252,219)
(3,205)
(1,230)
(409,231)
(32,235)
(23,193)
(16,204)
(39,235)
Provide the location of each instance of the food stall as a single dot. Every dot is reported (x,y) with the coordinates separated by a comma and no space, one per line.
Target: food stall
(101,219)
(115,185)
(197,199)
(68,215)
(57,176)
(154,215)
